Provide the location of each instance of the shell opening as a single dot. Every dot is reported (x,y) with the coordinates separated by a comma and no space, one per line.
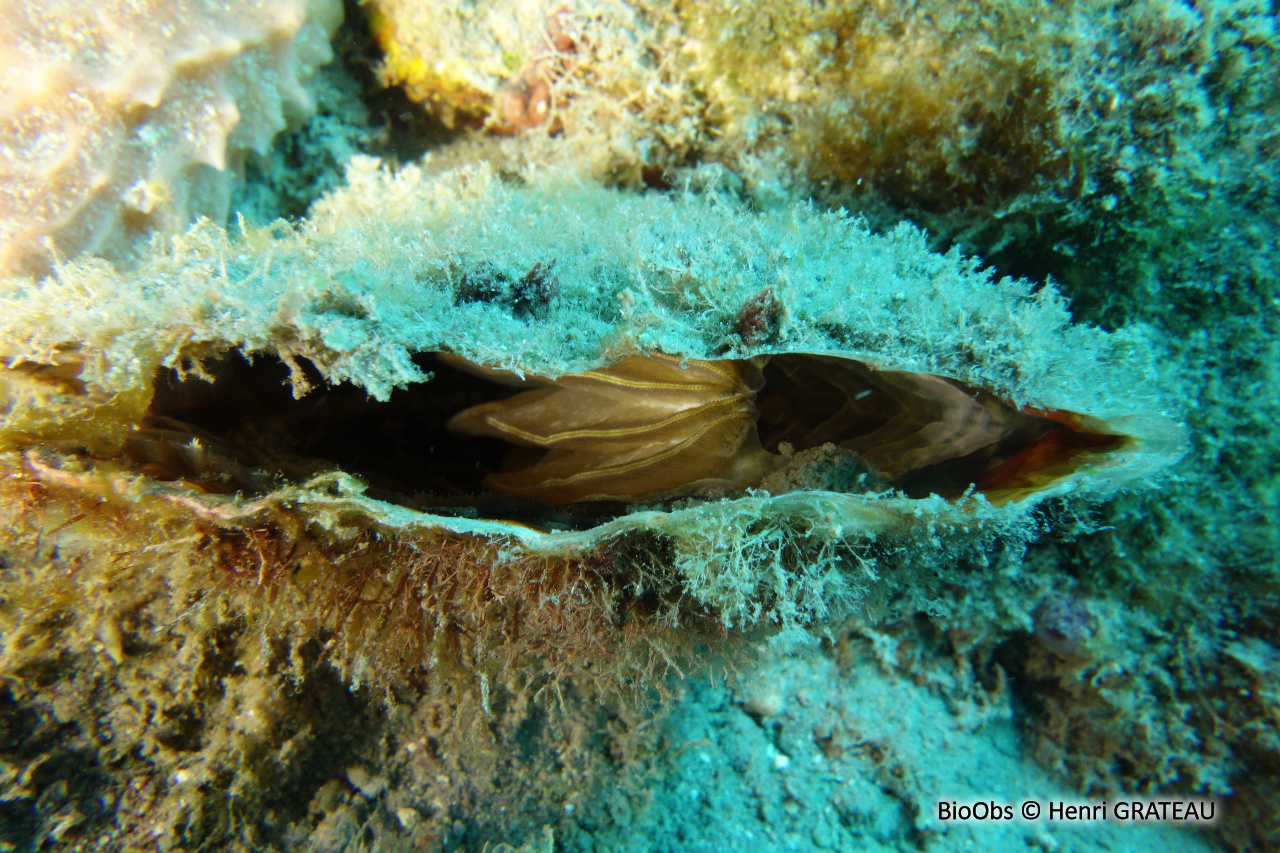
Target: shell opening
(580,449)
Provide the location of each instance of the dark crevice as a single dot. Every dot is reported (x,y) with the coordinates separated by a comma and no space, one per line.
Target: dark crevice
(406,130)
(260,437)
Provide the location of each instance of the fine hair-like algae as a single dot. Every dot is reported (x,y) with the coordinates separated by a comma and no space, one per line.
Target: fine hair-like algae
(1074,139)
(548,279)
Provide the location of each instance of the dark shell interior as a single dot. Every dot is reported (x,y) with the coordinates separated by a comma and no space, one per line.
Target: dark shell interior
(584,447)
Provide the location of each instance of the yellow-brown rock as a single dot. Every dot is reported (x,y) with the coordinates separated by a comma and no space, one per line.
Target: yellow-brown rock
(937,105)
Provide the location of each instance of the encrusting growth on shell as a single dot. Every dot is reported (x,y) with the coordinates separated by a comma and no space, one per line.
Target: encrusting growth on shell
(156,417)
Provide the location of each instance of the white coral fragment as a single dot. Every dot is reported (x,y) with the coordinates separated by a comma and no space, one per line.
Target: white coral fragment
(131,118)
